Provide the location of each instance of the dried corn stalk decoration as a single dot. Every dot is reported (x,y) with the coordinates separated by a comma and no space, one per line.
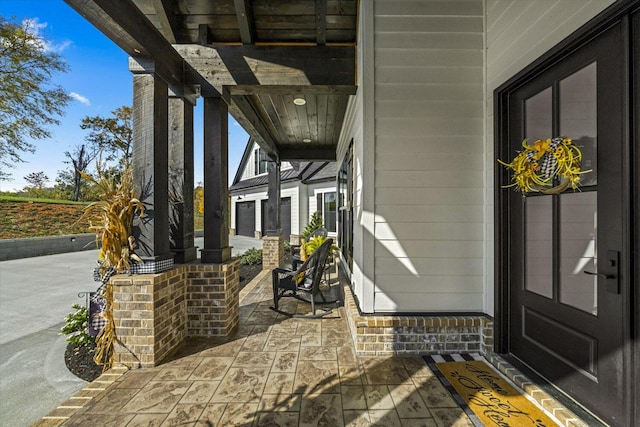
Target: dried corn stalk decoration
(111,218)
(545,163)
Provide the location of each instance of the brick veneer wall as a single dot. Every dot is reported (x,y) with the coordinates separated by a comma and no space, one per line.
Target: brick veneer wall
(154,313)
(403,335)
(272,252)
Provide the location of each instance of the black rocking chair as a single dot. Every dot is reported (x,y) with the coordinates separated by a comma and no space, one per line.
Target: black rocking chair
(304,282)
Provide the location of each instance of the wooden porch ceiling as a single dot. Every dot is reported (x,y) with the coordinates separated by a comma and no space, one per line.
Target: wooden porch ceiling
(259,55)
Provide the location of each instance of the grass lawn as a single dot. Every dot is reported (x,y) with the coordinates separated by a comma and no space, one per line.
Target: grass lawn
(23,217)
(34,217)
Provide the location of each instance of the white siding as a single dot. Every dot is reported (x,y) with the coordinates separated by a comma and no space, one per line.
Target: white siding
(429,162)
(518,32)
(358,128)
(422,127)
(249,169)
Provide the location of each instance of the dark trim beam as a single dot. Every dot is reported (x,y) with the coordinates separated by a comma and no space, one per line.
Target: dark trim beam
(204,34)
(246,115)
(181,180)
(273,225)
(150,165)
(251,65)
(274,65)
(321,22)
(245,21)
(166,13)
(216,189)
(292,90)
(129,28)
(308,153)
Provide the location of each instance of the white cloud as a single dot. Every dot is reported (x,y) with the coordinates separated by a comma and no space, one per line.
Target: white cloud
(80,98)
(35,27)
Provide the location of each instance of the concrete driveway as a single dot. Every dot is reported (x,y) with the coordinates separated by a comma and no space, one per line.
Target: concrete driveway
(35,296)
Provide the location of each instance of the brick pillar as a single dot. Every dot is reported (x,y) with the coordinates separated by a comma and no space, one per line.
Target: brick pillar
(272,251)
(154,313)
(149,314)
(213,298)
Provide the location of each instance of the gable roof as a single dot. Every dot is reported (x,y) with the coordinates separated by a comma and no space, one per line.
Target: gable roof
(307,172)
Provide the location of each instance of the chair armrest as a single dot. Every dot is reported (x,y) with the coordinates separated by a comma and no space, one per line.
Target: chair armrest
(283,271)
(294,248)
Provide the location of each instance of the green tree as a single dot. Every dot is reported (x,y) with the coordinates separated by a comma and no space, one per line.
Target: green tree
(30,102)
(314,223)
(37,181)
(113,136)
(64,188)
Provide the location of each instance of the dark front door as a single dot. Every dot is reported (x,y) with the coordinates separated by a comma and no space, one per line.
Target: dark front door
(245,218)
(567,315)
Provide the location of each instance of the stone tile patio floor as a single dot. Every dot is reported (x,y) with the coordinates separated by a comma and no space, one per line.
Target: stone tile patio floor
(274,371)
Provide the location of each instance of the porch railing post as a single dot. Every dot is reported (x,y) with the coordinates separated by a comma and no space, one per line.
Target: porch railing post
(150,165)
(216,191)
(181,177)
(274,227)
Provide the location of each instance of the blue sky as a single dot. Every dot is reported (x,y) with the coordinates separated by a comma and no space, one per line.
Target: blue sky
(99,81)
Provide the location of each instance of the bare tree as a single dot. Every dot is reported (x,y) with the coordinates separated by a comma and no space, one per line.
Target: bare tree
(81,158)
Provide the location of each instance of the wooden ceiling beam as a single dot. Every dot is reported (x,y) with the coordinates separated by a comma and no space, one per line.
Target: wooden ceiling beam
(129,28)
(321,22)
(308,153)
(166,11)
(293,90)
(244,15)
(242,110)
(273,65)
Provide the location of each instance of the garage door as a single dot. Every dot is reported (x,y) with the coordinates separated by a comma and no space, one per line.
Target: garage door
(285,217)
(245,218)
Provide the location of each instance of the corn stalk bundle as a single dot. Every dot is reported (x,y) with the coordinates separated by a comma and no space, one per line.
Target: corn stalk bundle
(111,218)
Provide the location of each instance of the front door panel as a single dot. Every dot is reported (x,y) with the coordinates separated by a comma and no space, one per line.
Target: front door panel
(566,312)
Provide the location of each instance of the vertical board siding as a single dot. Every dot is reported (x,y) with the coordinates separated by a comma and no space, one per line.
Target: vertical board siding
(429,126)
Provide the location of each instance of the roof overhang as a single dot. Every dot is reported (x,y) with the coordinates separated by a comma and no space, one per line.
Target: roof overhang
(258,57)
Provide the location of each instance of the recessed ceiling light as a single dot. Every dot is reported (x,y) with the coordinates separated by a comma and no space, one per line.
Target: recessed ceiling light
(299,101)
(306,140)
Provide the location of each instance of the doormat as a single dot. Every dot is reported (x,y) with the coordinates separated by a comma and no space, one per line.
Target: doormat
(492,399)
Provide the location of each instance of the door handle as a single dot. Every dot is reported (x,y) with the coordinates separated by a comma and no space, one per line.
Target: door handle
(613,262)
(605,276)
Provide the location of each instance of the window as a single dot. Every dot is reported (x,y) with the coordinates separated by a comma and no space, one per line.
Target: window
(260,161)
(345,187)
(327,206)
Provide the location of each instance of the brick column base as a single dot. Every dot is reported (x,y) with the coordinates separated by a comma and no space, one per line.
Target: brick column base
(149,317)
(213,298)
(154,313)
(272,252)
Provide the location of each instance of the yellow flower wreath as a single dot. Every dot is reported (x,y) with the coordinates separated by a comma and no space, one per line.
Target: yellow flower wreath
(536,167)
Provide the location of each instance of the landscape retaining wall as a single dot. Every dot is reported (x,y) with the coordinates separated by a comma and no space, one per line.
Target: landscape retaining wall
(38,246)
